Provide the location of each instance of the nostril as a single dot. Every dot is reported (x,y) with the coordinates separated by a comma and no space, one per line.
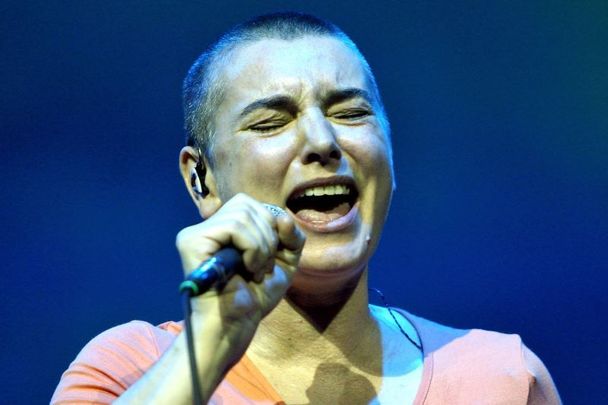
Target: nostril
(335,154)
(314,157)
(323,157)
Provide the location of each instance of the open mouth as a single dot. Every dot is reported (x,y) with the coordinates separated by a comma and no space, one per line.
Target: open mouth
(323,203)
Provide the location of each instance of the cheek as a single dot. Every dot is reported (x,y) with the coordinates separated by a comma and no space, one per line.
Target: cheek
(370,151)
(370,155)
(254,165)
(270,157)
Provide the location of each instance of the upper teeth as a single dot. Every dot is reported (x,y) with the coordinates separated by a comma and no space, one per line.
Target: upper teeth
(337,189)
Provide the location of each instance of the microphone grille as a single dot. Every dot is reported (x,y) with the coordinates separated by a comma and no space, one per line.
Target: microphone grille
(274,210)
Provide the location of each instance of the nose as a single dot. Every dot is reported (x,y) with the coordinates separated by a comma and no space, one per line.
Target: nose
(319,136)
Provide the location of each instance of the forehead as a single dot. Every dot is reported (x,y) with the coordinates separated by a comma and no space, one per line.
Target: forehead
(302,67)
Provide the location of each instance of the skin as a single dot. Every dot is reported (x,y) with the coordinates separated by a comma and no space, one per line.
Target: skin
(304,319)
(270,151)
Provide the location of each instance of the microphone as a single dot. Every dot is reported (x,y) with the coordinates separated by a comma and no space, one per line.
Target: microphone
(216,270)
(219,268)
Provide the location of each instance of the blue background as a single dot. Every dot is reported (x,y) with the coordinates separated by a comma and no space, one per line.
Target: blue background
(499,113)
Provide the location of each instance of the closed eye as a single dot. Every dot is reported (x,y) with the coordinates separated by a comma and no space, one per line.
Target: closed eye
(352,114)
(267,125)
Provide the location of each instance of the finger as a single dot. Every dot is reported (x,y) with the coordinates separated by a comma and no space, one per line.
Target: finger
(290,236)
(267,225)
(287,258)
(263,219)
(242,222)
(237,227)
(273,289)
(256,252)
(193,249)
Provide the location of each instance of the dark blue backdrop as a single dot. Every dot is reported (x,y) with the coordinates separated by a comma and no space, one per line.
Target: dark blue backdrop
(500,124)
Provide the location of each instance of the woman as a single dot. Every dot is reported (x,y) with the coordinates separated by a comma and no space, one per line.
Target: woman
(284,110)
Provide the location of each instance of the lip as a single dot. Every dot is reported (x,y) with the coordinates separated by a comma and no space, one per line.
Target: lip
(325,181)
(333,226)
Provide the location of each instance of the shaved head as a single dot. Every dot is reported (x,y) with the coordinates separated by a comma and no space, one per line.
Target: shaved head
(204,85)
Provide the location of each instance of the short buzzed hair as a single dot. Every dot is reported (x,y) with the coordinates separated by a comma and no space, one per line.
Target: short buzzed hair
(203,90)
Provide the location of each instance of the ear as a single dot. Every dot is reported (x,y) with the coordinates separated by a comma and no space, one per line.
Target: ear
(200,184)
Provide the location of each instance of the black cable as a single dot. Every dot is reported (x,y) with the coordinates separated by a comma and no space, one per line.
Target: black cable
(390,311)
(215,271)
(196,387)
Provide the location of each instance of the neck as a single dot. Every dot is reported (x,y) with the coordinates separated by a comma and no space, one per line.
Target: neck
(326,327)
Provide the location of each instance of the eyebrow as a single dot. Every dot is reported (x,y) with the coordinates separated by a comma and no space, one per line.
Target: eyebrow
(288,104)
(278,102)
(337,96)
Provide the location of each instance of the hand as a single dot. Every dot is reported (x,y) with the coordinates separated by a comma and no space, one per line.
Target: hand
(271,249)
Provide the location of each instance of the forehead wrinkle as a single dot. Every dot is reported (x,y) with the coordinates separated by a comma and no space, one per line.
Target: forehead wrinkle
(259,78)
(277,102)
(275,96)
(333,95)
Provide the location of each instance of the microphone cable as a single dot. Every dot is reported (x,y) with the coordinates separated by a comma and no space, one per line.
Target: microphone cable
(213,272)
(196,386)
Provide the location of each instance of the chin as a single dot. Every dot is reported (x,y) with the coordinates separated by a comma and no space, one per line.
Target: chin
(323,288)
(330,267)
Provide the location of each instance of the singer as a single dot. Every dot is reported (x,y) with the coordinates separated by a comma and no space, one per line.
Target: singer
(284,110)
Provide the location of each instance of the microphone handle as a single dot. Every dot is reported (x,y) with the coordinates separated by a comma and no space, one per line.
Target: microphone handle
(215,271)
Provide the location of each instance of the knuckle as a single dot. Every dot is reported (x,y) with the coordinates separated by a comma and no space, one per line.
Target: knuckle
(242,198)
(240,218)
(248,217)
(276,238)
(267,215)
(273,247)
(181,238)
(266,252)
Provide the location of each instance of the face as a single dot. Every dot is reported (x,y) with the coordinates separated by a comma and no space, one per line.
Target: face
(299,128)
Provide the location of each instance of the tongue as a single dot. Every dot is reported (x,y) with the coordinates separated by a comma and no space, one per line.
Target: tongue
(311,215)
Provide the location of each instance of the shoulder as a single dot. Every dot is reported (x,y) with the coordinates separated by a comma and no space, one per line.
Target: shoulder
(114,360)
(542,390)
(135,339)
(470,364)
(396,320)
(438,338)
